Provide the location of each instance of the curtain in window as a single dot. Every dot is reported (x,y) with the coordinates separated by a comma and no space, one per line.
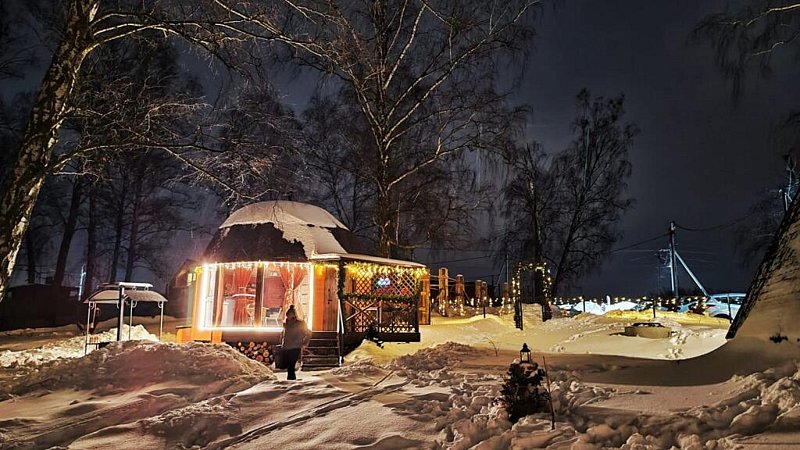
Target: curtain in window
(241,277)
(291,276)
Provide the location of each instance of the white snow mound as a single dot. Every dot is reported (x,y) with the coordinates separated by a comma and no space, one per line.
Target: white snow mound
(67,348)
(131,365)
(442,356)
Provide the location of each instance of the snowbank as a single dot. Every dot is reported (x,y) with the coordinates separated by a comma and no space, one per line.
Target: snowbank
(470,416)
(446,355)
(766,399)
(470,413)
(440,393)
(67,348)
(130,365)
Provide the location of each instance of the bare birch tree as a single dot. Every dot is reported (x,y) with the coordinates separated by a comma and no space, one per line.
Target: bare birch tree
(529,203)
(423,77)
(83,27)
(750,37)
(254,151)
(565,210)
(593,174)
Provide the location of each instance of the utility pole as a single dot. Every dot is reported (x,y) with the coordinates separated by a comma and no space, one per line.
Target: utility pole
(788,192)
(673,261)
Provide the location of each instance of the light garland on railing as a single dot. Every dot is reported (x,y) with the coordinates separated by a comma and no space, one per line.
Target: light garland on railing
(256,264)
(369,270)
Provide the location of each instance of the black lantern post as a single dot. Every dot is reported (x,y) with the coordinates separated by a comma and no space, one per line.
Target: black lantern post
(525,355)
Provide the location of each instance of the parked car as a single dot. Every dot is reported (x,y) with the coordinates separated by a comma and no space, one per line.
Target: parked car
(691,306)
(648,306)
(724,306)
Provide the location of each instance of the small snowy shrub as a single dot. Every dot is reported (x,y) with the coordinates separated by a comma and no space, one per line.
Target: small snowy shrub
(522,392)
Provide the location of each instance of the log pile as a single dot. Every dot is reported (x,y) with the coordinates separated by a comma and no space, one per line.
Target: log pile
(260,351)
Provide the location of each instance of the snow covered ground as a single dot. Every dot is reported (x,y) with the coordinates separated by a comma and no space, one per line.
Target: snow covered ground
(609,390)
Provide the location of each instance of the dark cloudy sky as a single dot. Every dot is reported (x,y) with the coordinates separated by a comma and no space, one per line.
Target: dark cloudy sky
(698,160)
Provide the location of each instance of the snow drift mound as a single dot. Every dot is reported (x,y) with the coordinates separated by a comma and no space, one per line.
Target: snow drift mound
(67,348)
(769,401)
(133,364)
(442,356)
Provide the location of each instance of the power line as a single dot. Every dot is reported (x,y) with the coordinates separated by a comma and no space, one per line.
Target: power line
(460,260)
(660,236)
(720,226)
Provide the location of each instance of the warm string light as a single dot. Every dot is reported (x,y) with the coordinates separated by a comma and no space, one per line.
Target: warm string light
(614,300)
(369,270)
(256,264)
(547,280)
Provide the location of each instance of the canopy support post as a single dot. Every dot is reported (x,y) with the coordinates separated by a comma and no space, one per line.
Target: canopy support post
(86,340)
(121,315)
(161,322)
(130,320)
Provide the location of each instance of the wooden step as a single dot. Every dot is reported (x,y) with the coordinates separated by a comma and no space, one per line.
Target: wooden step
(311,362)
(322,351)
(324,335)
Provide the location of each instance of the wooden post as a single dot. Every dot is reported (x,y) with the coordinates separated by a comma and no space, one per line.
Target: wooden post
(444,292)
(425,299)
(478,293)
(461,294)
(485,297)
(257,311)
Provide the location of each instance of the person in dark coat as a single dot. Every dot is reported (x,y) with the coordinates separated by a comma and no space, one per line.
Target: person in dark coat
(296,335)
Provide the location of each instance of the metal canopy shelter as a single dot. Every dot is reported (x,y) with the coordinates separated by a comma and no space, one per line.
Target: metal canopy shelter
(121,294)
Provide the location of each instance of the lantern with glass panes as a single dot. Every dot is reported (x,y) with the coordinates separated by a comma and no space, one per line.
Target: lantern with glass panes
(525,355)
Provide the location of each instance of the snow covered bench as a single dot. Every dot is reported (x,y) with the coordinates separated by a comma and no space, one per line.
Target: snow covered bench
(650,330)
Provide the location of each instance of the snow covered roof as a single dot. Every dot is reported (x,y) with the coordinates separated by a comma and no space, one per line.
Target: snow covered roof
(368,258)
(284,214)
(308,225)
(110,294)
(287,231)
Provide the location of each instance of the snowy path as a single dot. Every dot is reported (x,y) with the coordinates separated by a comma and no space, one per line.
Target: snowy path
(427,396)
(346,401)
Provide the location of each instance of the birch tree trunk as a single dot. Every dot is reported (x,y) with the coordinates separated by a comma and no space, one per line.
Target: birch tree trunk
(26,176)
(69,233)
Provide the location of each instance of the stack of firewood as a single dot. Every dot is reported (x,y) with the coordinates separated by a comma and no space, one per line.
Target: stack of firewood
(260,351)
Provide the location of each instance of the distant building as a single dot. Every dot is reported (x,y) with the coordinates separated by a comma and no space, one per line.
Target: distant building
(180,290)
(39,305)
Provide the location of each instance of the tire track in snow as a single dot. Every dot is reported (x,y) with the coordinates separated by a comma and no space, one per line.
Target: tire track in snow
(351,399)
(51,434)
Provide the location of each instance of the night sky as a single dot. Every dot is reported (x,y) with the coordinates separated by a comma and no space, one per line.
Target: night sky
(699,160)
